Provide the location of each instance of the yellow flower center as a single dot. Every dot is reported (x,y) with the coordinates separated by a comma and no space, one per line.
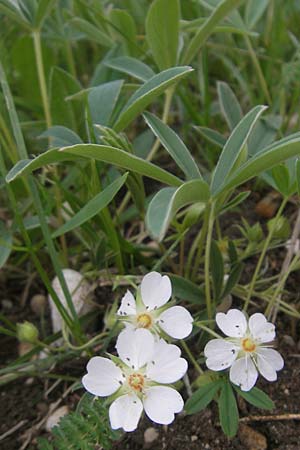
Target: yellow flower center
(144,321)
(248,345)
(136,381)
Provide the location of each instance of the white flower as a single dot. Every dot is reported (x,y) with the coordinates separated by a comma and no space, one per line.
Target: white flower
(244,351)
(150,311)
(143,365)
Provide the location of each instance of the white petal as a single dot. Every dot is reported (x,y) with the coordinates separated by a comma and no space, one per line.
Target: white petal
(233,324)
(135,347)
(125,412)
(268,362)
(220,354)
(128,306)
(261,330)
(243,373)
(156,290)
(176,321)
(161,403)
(166,365)
(103,377)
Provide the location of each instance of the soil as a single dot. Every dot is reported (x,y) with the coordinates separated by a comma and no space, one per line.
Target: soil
(26,402)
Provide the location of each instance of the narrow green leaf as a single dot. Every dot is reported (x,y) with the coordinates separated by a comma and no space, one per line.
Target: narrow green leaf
(212,136)
(43,10)
(168,201)
(221,11)
(131,66)
(233,147)
(102,101)
(233,278)
(202,397)
(61,136)
(254,11)
(92,32)
(26,166)
(154,87)
(162,32)
(93,207)
(256,397)
(124,29)
(239,198)
(262,161)
(174,146)
(228,411)
(217,269)
(186,290)
(122,159)
(5,244)
(281,176)
(229,104)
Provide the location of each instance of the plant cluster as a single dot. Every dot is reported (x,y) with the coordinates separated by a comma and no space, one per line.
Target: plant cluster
(120,156)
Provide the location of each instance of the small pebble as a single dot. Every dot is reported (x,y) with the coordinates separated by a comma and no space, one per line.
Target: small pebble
(286,391)
(194,438)
(150,435)
(55,417)
(38,304)
(7,304)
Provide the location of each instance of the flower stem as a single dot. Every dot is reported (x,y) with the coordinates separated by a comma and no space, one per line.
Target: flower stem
(263,253)
(41,75)
(207,261)
(191,357)
(207,329)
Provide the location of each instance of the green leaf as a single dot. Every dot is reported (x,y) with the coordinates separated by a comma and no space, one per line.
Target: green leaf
(61,136)
(202,397)
(228,411)
(43,10)
(256,397)
(154,87)
(168,201)
(233,147)
(7,8)
(233,278)
(220,12)
(217,269)
(124,29)
(174,146)
(93,207)
(211,135)
(186,290)
(102,101)
(239,198)
(131,66)
(281,176)
(162,32)
(264,160)
(92,32)
(122,159)
(26,166)
(254,11)
(229,104)
(62,85)
(5,244)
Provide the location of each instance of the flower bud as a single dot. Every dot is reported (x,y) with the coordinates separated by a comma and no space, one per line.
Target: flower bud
(27,332)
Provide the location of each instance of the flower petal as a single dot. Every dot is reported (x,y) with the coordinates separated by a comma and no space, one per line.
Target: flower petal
(103,377)
(233,324)
(125,412)
(261,330)
(220,354)
(268,362)
(156,290)
(161,403)
(243,373)
(128,306)
(135,347)
(166,365)
(176,321)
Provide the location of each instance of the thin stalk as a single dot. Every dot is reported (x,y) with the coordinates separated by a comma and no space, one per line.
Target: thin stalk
(70,58)
(207,261)
(263,253)
(207,329)
(198,245)
(258,69)
(41,75)
(191,357)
